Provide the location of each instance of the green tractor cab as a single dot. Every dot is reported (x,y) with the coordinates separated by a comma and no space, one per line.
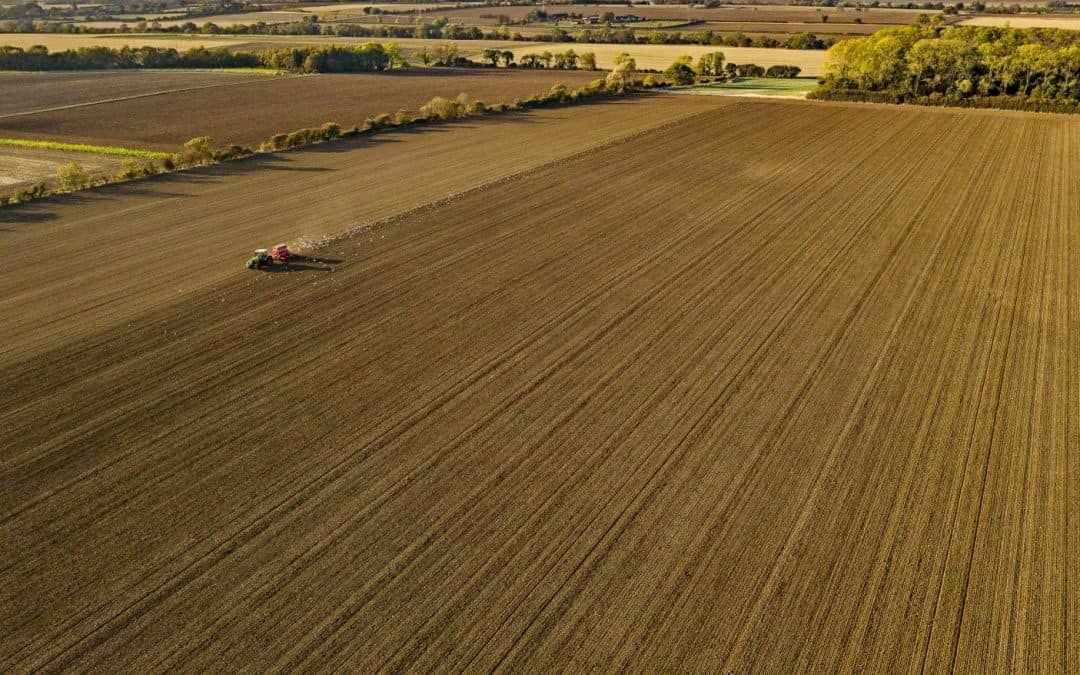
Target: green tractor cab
(260,259)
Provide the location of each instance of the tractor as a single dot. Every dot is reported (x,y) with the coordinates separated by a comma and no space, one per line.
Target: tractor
(262,258)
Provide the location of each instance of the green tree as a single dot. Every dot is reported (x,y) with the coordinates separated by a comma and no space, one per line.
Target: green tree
(622,72)
(711,63)
(679,73)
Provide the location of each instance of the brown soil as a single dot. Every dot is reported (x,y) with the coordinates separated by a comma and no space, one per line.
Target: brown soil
(254,109)
(29,92)
(771,386)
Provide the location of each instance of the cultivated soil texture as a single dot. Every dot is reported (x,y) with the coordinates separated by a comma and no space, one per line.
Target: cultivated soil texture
(698,383)
(253,108)
(27,92)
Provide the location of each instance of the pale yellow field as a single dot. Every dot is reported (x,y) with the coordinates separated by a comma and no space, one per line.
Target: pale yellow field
(358,7)
(658,57)
(220,20)
(1066,22)
(655,57)
(59,42)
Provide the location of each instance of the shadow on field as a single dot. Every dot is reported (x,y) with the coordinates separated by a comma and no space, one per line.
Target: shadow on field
(302,263)
(23,213)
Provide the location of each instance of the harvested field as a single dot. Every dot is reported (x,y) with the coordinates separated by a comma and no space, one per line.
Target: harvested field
(590,415)
(59,42)
(256,108)
(659,57)
(30,92)
(1046,21)
(237,19)
(775,29)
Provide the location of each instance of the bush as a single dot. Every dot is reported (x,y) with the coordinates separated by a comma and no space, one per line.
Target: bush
(402,117)
(277,142)
(72,176)
(200,146)
(749,70)
(439,108)
(782,71)
(231,152)
(680,73)
(135,168)
(330,131)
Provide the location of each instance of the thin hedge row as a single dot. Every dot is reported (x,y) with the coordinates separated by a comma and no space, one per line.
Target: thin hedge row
(946,101)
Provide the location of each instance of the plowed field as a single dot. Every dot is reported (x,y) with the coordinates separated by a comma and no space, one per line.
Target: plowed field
(28,92)
(252,109)
(722,386)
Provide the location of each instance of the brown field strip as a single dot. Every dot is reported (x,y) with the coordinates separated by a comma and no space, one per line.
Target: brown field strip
(748,386)
(29,92)
(258,107)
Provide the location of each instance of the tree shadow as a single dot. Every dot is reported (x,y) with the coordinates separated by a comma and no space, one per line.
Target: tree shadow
(24,213)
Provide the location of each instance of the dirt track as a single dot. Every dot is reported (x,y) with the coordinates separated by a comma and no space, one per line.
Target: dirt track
(253,109)
(807,401)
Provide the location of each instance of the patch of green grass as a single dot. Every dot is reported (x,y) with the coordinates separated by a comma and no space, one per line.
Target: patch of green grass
(78,147)
(758,86)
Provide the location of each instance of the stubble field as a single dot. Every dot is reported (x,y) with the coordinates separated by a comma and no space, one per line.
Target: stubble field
(729,386)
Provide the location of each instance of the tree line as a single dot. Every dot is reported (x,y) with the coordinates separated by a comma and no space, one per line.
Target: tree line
(711,66)
(315,59)
(1035,68)
(439,30)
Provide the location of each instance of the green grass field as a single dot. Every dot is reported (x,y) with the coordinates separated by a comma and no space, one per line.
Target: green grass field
(78,147)
(754,86)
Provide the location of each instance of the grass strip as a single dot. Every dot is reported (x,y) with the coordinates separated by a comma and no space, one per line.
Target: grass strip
(78,147)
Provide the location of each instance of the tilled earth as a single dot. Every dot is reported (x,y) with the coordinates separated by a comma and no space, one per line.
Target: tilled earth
(694,384)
